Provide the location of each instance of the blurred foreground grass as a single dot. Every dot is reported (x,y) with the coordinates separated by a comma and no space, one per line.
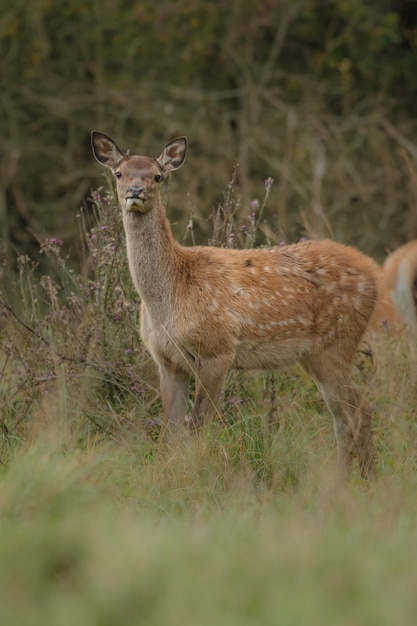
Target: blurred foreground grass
(187,535)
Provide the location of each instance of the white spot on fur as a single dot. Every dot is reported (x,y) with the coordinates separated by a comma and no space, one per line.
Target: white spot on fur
(213,306)
(233,316)
(362,286)
(357,304)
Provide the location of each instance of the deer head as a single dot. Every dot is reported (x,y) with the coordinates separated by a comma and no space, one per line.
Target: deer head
(137,177)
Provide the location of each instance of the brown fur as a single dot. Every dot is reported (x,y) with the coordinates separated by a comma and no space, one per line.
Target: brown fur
(206,310)
(397,301)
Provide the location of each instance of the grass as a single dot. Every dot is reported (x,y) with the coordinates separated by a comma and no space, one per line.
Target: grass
(246,523)
(186,535)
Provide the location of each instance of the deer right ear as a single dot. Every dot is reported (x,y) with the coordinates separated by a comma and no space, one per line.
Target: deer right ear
(173,155)
(105,150)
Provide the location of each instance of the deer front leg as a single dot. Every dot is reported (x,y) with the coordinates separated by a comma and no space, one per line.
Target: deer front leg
(174,385)
(209,383)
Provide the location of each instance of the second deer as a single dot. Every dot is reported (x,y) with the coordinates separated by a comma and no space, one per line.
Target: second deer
(205,310)
(396,308)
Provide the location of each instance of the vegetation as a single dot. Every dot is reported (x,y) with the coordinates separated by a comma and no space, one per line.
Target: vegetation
(318,95)
(101,523)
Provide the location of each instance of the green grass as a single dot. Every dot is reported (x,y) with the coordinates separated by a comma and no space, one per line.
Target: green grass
(244,524)
(187,534)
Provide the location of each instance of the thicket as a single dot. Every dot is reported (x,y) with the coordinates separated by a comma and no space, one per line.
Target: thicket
(317,94)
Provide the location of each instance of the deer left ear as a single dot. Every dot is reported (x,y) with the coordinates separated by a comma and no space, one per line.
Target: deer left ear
(105,150)
(173,155)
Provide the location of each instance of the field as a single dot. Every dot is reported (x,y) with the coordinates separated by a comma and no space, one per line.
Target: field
(245,523)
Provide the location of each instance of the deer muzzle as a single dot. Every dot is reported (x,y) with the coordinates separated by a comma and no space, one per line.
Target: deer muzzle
(135,197)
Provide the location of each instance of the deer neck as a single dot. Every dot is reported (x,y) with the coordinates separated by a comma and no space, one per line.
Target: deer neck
(153,257)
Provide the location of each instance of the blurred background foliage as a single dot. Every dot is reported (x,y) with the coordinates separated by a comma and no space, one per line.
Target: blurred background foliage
(318,94)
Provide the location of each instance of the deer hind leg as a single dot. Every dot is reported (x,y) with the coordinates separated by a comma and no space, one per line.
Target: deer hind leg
(363,437)
(352,416)
(174,385)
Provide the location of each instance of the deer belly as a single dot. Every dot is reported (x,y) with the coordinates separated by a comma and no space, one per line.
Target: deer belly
(270,354)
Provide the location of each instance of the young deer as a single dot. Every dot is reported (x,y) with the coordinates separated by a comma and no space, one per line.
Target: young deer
(397,302)
(205,309)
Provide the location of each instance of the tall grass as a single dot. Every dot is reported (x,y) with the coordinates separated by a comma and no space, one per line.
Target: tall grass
(246,523)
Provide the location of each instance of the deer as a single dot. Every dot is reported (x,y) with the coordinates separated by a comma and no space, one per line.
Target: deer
(396,308)
(206,309)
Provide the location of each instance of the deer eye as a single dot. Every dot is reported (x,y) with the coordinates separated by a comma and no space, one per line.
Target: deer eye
(157,178)
(118,174)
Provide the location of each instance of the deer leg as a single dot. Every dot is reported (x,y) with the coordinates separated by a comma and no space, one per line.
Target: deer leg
(174,385)
(334,399)
(352,416)
(363,436)
(210,378)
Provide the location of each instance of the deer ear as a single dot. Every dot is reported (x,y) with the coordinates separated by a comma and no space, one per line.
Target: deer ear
(173,155)
(105,150)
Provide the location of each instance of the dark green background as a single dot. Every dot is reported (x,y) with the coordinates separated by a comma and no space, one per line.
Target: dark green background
(320,95)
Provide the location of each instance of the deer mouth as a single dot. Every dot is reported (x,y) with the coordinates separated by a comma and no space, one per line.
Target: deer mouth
(135,203)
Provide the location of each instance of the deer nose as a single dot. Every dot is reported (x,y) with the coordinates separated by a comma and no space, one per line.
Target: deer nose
(135,191)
